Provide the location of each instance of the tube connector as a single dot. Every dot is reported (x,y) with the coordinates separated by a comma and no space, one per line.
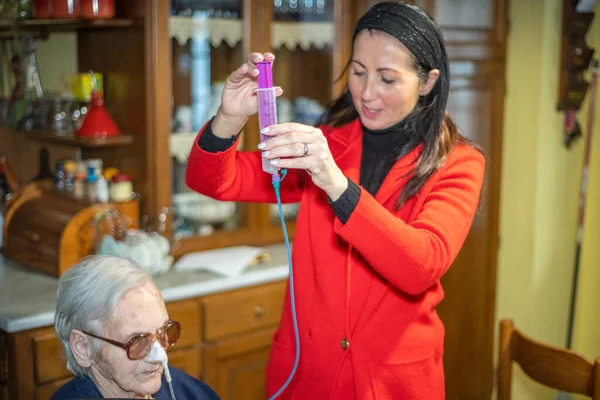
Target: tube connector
(276,180)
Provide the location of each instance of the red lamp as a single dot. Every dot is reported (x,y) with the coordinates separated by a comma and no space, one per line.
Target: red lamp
(97,123)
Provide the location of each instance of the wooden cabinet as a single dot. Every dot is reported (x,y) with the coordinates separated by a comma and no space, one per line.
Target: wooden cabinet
(238,333)
(225,341)
(237,365)
(206,43)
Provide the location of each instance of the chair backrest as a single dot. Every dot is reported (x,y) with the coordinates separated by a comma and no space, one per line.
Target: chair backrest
(552,366)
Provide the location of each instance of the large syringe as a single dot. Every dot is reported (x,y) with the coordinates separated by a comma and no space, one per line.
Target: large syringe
(267,106)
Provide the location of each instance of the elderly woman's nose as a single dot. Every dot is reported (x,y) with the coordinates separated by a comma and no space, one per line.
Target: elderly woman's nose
(157,354)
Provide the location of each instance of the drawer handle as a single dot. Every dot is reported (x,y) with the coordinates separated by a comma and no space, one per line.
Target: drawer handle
(34,237)
(258,311)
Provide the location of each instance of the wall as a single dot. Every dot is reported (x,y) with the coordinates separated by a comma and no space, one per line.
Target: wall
(540,190)
(587,323)
(57,57)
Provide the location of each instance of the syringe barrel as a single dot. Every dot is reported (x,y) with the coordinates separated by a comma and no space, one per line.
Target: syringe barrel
(267,106)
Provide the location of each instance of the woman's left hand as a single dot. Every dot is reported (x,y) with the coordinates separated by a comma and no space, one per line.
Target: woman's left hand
(304,147)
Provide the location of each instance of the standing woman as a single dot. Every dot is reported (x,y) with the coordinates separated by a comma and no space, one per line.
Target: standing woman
(388,190)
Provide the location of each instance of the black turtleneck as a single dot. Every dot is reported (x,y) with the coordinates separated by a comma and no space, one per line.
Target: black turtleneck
(381,149)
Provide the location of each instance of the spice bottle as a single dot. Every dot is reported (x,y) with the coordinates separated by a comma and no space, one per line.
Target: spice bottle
(121,188)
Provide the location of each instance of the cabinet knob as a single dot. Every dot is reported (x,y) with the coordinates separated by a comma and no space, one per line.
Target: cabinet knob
(34,237)
(258,311)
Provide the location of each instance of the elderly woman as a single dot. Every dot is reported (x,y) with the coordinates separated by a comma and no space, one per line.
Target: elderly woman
(109,315)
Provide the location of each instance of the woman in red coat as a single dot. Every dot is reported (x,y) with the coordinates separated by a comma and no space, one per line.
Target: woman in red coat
(388,190)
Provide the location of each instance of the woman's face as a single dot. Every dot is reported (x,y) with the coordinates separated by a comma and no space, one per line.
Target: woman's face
(383,82)
(141,310)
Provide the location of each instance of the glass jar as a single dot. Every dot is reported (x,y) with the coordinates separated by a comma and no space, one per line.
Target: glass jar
(121,188)
(65,9)
(59,117)
(25,9)
(42,9)
(97,9)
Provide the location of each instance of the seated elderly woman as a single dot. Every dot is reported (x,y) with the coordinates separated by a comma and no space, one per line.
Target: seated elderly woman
(110,318)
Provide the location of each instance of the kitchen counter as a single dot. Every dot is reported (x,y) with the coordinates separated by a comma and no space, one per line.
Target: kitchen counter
(28,297)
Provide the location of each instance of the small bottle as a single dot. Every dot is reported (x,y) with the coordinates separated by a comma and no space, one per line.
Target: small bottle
(70,168)
(92,178)
(121,188)
(59,181)
(79,185)
(101,189)
(96,163)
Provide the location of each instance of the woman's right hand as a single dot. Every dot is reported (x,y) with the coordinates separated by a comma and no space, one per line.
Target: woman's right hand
(238,101)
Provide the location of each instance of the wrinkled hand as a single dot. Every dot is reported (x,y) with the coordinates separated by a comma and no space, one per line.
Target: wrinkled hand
(238,102)
(304,147)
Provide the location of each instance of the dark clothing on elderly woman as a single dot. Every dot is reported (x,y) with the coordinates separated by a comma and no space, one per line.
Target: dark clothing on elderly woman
(185,387)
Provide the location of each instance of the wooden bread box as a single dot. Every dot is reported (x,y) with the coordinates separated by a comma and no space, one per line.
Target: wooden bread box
(49,232)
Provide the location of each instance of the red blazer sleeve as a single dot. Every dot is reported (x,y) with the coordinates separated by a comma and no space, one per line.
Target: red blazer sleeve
(234,175)
(413,256)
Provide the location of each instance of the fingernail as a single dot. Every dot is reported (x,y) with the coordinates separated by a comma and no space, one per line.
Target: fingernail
(264,130)
(261,146)
(265,153)
(274,162)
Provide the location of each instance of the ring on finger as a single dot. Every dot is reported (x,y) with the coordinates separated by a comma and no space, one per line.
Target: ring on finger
(305,150)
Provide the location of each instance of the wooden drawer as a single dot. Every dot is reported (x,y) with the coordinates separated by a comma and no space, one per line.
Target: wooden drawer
(242,310)
(188,360)
(49,361)
(187,313)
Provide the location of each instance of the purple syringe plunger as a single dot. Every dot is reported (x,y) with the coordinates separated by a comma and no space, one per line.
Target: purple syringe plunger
(265,74)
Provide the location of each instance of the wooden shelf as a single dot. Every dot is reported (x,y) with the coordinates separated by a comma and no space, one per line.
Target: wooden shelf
(65,25)
(71,140)
(77,141)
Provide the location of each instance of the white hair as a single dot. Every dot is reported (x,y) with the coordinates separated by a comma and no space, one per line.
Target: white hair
(87,295)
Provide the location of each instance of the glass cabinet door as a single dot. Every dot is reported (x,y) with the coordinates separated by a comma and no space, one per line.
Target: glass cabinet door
(302,33)
(206,45)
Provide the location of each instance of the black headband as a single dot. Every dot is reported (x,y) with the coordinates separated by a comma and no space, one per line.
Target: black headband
(412,27)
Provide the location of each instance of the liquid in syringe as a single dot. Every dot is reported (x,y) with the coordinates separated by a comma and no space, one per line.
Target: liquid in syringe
(267,106)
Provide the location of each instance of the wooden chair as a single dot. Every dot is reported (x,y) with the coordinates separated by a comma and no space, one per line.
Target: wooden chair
(555,367)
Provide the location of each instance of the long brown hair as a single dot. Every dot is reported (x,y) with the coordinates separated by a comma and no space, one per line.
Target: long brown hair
(429,122)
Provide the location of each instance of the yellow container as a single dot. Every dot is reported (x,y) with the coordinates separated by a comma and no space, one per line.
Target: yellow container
(82,84)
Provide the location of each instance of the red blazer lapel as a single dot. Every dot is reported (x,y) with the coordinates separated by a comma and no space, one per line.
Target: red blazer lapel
(346,146)
(398,176)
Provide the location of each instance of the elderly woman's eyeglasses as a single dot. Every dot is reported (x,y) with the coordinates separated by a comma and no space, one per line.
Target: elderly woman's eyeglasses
(139,346)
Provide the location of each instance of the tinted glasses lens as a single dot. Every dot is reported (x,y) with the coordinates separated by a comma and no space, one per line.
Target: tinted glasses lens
(140,346)
(172,330)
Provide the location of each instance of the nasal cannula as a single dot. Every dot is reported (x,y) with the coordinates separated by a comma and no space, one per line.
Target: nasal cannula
(267,116)
(159,355)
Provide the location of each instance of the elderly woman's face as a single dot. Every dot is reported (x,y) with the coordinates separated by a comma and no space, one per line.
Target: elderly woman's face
(384,85)
(141,310)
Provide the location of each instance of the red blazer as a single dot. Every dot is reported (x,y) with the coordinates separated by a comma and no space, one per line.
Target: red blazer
(374,281)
